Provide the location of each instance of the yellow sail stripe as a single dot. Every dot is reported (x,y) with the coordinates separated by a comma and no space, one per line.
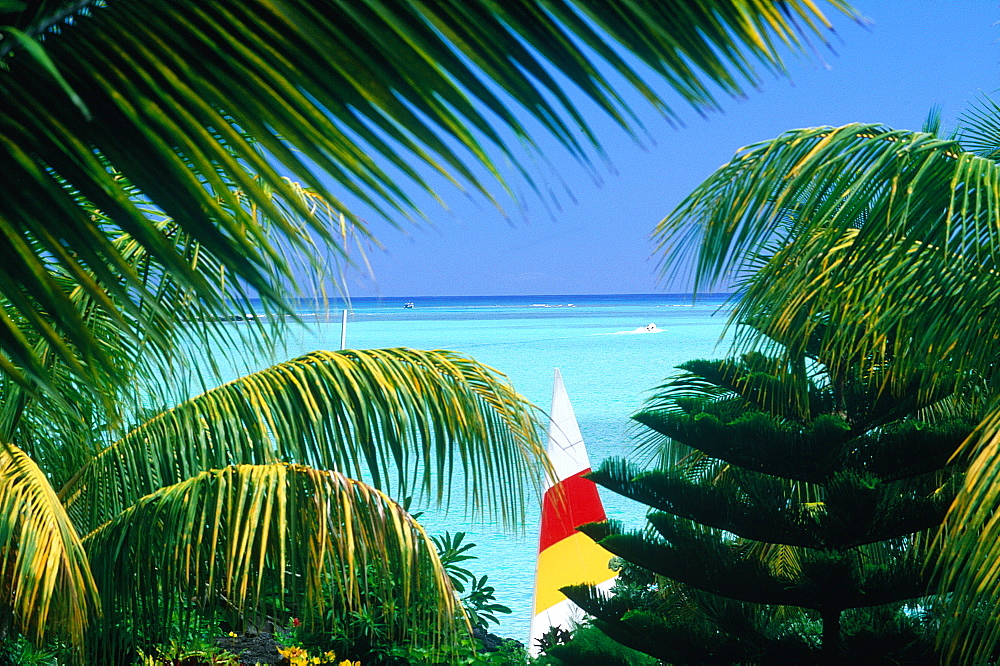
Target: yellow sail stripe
(572,561)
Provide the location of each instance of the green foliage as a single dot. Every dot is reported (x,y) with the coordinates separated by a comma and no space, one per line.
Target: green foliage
(203,107)
(587,646)
(147,192)
(466,651)
(480,600)
(19,651)
(364,633)
(189,651)
(787,530)
(888,238)
(163,508)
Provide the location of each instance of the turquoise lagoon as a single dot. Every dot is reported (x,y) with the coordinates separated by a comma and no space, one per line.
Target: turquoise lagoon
(608,361)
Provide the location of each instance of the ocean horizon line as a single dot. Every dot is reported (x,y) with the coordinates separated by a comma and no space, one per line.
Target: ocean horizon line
(413,297)
(500,306)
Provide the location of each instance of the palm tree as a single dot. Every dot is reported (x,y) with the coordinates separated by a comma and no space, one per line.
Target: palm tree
(269,491)
(890,237)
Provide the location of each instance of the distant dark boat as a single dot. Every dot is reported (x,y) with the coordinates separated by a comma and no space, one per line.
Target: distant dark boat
(407,305)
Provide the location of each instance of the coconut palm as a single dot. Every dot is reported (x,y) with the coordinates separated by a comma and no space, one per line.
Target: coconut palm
(890,237)
(247,492)
(358,100)
(267,492)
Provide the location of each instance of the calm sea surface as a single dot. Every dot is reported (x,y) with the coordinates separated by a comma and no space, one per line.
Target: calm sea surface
(608,363)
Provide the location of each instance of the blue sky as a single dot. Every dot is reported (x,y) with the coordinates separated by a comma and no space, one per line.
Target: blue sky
(913,55)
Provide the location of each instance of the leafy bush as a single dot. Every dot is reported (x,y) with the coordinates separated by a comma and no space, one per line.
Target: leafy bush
(588,645)
(480,602)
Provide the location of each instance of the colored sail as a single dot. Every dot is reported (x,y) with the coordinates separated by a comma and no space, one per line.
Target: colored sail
(566,556)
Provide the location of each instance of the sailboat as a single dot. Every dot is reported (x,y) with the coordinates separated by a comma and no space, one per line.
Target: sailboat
(566,556)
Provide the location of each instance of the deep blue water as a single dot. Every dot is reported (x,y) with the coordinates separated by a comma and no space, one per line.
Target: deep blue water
(608,363)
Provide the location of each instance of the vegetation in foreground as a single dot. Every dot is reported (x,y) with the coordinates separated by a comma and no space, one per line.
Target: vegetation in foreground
(797,525)
(135,113)
(891,237)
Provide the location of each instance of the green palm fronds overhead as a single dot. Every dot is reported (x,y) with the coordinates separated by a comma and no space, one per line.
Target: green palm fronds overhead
(195,102)
(888,238)
(880,230)
(150,153)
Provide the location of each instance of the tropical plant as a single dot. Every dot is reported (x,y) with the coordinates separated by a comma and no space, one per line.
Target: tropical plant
(792,532)
(480,602)
(203,107)
(211,507)
(124,525)
(891,237)
(365,632)
(20,651)
(589,645)
(146,146)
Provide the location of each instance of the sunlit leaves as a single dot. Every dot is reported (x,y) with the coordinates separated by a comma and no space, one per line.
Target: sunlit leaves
(889,239)
(225,537)
(408,420)
(45,579)
(892,235)
(195,101)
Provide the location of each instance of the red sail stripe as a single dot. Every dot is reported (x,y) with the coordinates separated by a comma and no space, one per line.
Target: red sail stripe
(568,504)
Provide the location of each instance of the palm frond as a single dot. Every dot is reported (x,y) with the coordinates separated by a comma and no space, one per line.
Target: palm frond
(154,338)
(411,419)
(350,97)
(970,551)
(978,130)
(45,578)
(891,237)
(891,231)
(782,560)
(226,538)
(148,308)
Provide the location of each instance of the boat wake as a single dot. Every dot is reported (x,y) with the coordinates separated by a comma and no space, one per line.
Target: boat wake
(648,328)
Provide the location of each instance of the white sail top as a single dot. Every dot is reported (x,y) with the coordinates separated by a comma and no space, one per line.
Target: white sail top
(565,446)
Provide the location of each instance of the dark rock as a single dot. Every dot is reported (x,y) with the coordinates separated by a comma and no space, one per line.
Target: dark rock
(254,648)
(491,642)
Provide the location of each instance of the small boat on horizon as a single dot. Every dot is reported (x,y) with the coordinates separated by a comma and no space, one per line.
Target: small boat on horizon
(408,305)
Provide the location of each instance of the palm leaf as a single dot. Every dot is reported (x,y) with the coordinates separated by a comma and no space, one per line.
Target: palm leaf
(891,232)
(969,552)
(351,97)
(155,337)
(401,417)
(891,236)
(224,538)
(45,578)
(146,320)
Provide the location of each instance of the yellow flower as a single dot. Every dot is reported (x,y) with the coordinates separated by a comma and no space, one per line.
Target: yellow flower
(293,652)
(232,634)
